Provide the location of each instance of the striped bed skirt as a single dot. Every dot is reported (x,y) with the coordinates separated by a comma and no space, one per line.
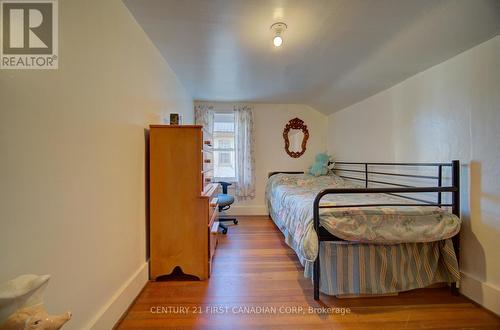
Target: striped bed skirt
(358,269)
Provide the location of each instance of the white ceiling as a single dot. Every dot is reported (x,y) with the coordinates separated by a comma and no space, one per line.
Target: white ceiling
(335,52)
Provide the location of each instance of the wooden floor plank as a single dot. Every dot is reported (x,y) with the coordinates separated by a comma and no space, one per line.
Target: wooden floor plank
(258,283)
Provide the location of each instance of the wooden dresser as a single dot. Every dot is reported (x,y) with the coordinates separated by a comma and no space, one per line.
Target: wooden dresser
(183,202)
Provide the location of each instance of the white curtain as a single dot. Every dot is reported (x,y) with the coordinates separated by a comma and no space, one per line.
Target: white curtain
(245,161)
(204,115)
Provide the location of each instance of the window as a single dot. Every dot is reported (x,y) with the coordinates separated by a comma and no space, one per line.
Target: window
(224,143)
(224,159)
(224,152)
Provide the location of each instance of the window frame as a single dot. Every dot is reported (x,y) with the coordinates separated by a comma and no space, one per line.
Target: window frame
(233,149)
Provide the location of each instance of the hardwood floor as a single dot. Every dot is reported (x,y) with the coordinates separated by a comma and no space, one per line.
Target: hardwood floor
(253,267)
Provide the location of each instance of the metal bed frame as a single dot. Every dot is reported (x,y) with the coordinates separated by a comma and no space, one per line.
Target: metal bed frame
(396,189)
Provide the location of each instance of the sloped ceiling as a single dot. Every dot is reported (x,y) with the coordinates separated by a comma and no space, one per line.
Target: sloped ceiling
(335,52)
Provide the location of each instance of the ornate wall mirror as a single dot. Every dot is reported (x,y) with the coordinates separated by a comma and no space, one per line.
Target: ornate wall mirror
(295,135)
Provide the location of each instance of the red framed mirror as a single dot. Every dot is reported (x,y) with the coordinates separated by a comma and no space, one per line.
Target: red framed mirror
(296,135)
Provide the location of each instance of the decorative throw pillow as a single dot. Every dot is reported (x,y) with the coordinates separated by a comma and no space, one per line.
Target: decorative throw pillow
(320,166)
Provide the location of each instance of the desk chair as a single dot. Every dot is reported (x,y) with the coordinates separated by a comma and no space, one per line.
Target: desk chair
(225,200)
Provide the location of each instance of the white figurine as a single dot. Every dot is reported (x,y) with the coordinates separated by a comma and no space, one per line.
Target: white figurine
(21,305)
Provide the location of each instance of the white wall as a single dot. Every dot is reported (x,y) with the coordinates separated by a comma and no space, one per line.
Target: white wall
(72,161)
(270,155)
(450,111)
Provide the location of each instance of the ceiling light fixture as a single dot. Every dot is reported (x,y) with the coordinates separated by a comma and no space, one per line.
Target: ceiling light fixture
(278,28)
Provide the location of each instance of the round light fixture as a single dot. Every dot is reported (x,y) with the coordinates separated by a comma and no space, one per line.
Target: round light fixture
(277,41)
(278,28)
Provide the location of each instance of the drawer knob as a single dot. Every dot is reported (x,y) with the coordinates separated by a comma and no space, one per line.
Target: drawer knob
(207,161)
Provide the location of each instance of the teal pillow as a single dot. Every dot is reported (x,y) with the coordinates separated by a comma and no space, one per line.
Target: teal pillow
(320,165)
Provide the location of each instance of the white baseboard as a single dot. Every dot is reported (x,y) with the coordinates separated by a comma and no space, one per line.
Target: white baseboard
(247,210)
(111,312)
(485,294)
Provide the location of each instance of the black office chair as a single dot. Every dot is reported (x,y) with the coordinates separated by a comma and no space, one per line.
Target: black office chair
(225,200)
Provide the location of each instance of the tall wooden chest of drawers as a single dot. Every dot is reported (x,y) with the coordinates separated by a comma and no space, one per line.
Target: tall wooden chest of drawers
(183,203)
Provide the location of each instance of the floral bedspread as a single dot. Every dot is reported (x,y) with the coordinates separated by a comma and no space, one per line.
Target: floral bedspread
(290,201)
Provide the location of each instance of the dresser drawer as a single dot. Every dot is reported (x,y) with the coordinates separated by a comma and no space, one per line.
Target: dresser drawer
(207,136)
(208,142)
(207,162)
(213,211)
(208,177)
(214,238)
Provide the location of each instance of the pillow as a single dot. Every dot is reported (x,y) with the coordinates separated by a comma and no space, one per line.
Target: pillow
(320,165)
